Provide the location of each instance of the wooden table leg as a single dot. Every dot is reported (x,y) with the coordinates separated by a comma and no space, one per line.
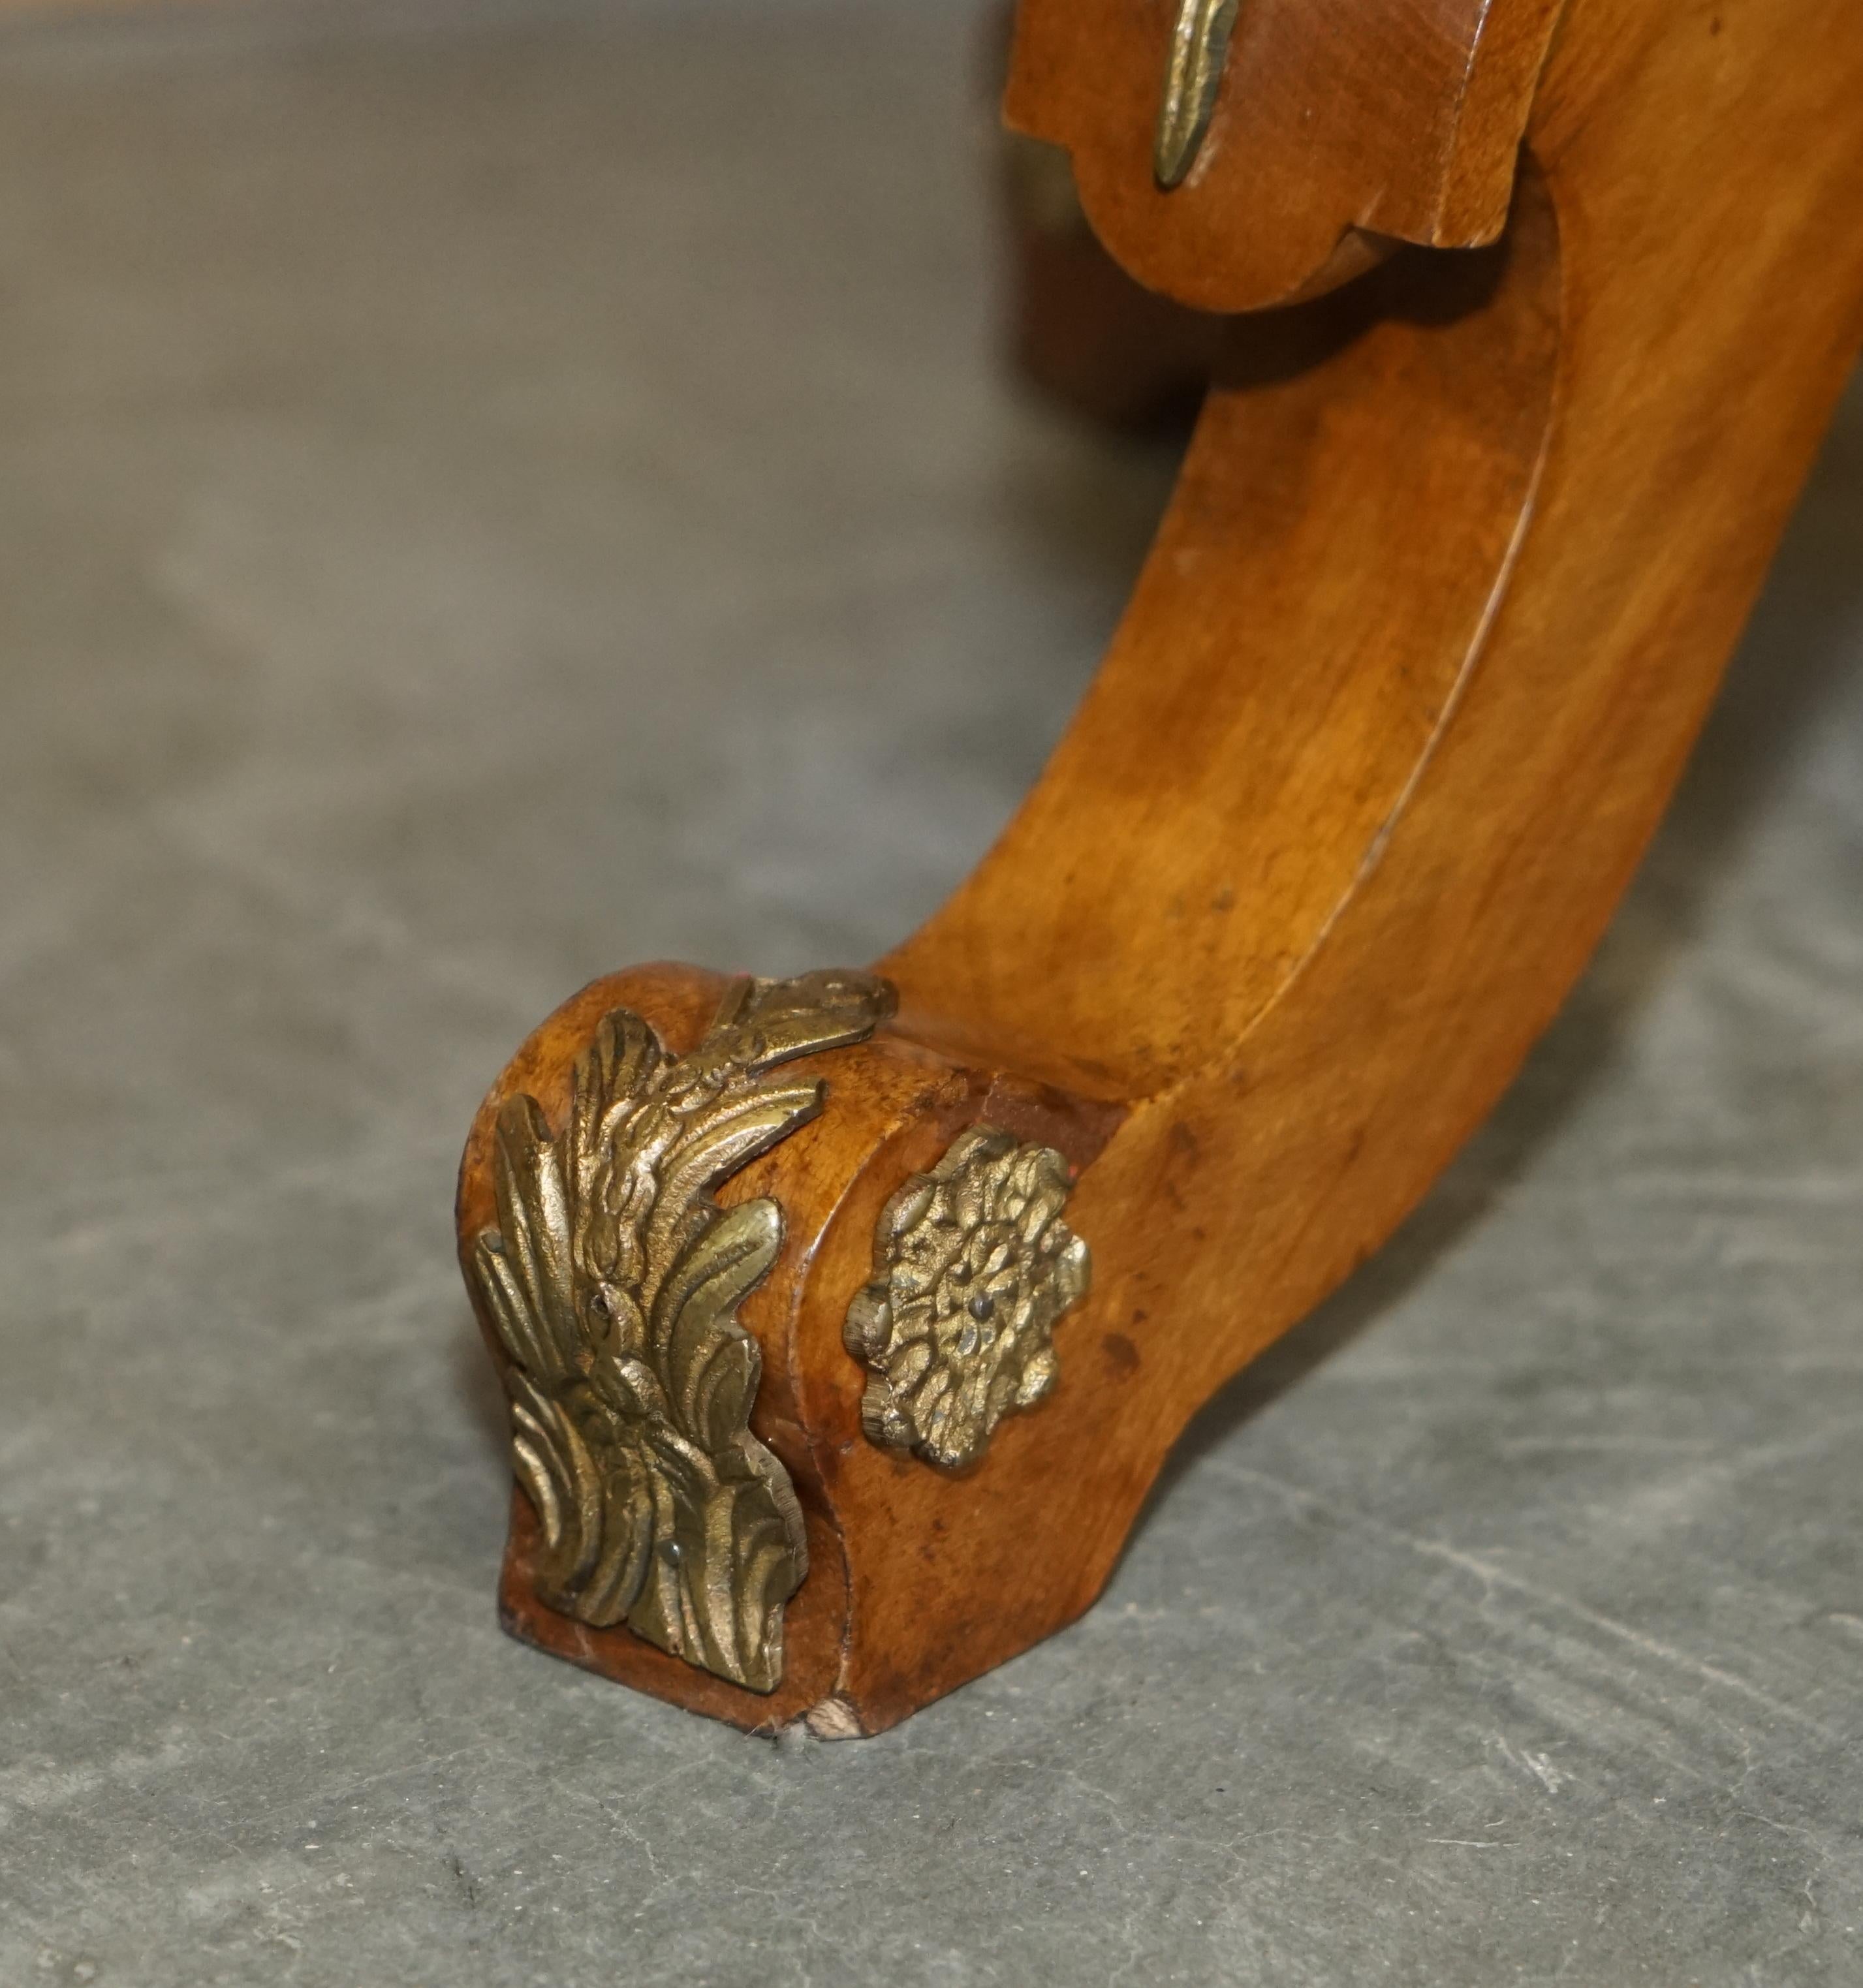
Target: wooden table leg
(847,1320)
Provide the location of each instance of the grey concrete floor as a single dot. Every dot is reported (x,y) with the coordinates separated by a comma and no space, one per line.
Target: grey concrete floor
(489,497)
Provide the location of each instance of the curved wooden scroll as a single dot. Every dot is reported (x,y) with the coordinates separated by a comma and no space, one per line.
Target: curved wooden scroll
(1341,127)
(1424,641)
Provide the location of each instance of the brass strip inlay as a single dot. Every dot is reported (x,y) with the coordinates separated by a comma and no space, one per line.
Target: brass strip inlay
(1193,74)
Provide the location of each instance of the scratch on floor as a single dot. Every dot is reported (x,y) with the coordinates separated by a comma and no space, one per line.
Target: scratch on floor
(1496,1576)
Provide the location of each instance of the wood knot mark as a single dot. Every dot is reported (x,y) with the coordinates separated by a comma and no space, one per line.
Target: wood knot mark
(1122,1355)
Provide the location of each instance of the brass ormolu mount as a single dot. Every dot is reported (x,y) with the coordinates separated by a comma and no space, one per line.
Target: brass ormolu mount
(611,1285)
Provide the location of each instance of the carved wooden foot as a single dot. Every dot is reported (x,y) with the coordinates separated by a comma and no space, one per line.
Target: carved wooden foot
(892,1221)
(845,1321)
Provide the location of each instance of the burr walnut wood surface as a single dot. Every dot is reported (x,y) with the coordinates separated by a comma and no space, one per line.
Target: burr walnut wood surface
(1454,564)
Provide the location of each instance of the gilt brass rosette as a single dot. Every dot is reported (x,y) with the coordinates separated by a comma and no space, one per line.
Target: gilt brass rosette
(973,1266)
(612,1283)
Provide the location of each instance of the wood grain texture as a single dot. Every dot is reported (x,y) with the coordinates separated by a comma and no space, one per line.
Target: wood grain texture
(1081,330)
(1402,693)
